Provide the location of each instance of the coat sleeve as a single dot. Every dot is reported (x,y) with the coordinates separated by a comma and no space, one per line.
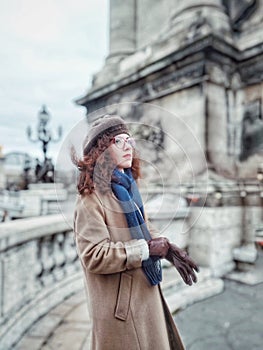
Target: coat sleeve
(97,252)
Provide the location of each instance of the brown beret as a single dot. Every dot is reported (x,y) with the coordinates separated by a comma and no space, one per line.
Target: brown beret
(108,124)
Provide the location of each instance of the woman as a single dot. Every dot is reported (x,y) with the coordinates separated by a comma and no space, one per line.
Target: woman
(119,251)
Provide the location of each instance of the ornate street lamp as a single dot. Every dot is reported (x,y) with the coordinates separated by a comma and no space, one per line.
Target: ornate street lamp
(260,181)
(44,136)
(260,174)
(43,133)
(259,230)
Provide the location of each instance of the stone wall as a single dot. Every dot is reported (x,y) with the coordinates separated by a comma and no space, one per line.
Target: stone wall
(39,268)
(217,231)
(202,61)
(150,26)
(219,235)
(184,126)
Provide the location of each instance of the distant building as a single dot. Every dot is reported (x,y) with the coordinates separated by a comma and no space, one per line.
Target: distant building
(15,164)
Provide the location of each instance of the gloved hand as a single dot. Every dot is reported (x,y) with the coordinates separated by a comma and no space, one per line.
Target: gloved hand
(158,246)
(183,263)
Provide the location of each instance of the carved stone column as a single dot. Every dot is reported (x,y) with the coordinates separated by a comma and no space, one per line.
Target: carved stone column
(122,39)
(194,18)
(122,29)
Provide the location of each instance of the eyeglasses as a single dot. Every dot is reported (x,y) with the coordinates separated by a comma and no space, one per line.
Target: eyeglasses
(121,141)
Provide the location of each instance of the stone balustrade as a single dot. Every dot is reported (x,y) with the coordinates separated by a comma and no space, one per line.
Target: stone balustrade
(39,268)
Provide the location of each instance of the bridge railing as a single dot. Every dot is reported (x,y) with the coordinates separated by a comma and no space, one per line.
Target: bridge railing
(39,268)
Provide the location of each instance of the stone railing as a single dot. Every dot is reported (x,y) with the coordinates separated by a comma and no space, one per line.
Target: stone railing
(39,268)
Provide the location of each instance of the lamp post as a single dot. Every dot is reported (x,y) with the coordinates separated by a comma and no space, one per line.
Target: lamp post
(260,181)
(44,136)
(43,133)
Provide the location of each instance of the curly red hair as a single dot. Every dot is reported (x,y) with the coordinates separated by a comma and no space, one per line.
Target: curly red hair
(96,167)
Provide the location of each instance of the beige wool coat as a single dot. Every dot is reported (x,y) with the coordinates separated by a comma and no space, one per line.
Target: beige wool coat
(126,311)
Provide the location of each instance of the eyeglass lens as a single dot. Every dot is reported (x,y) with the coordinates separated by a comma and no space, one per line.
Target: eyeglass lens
(120,142)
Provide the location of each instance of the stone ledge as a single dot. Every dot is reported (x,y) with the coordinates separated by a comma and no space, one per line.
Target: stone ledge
(29,343)
(19,231)
(189,295)
(65,325)
(178,295)
(45,326)
(246,253)
(14,328)
(251,277)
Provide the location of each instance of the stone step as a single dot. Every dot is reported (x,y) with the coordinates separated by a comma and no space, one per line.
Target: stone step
(179,295)
(259,235)
(246,253)
(189,295)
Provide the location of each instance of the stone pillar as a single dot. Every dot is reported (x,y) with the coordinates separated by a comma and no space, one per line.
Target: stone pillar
(122,29)
(149,28)
(200,17)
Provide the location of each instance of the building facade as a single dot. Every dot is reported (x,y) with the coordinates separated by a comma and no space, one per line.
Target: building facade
(201,60)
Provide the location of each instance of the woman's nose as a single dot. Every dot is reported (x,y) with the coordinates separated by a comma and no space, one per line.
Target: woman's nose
(127,145)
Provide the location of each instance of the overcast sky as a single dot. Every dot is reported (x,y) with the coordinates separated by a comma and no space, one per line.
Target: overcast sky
(49,51)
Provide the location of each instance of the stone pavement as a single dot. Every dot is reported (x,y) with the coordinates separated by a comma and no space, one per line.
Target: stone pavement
(231,320)
(66,327)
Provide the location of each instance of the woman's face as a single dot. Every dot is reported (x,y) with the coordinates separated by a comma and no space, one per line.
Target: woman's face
(121,151)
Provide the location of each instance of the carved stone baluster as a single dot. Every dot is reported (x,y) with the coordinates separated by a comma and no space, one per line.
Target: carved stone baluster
(47,261)
(59,256)
(39,266)
(70,253)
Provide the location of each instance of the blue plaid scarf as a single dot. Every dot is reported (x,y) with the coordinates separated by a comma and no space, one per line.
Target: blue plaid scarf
(125,189)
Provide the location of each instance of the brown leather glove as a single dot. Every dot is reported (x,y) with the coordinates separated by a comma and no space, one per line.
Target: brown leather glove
(183,263)
(158,246)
